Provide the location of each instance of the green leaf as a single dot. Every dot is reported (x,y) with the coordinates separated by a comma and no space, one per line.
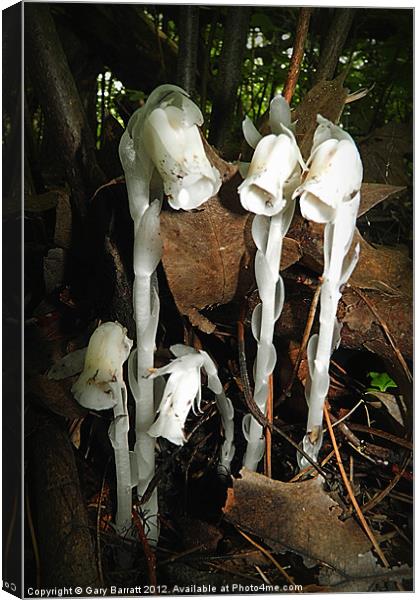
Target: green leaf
(381,381)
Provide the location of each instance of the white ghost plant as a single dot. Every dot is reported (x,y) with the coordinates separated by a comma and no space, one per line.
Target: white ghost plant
(161,151)
(330,194)
(101,386)
(183,393)
(267,191)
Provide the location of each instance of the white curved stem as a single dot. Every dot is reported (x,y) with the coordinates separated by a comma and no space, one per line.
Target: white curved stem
(335,247)
(263,365)
(118,433)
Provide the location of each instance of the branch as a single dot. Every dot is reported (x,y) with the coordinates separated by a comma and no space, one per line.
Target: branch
(188,47)
(298,52)
(334,43)
(230,72)
(60,101)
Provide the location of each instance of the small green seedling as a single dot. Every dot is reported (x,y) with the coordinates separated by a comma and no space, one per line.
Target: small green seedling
(380,382)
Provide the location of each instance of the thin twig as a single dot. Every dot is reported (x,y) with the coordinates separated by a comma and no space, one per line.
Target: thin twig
(253,408)
(304,343)
(381,495)
(34,541)
(268,436)
(382,434)
(346,416)
(309,469)
(387,333)
(298,52)
(148,552)
(98,528)
(350,491)
(268,555)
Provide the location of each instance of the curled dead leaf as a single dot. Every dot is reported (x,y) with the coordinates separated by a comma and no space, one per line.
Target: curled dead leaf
(301,517)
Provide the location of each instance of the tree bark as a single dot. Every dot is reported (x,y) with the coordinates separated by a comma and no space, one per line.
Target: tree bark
(188,47)
(61,103)
(334,43)
(230,71)
(60,519)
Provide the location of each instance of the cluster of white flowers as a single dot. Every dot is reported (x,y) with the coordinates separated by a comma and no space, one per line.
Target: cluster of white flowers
(162,152)
(329,194)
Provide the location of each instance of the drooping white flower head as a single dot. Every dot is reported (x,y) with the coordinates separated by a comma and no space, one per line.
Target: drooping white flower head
(107,351)
(163,134)
(273,163)
(335,173)
(183,393)
(182,389)
(174,144)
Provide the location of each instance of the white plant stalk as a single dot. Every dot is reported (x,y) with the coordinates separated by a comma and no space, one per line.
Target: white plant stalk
(118,434)
(101,386)
(183,393)
(267,191)
(162,138)
(330,194)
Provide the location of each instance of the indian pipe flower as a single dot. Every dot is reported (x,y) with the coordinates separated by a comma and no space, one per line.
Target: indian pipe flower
(101,386)
(183,393)
(335,173)
(173,142)
(161,151)
(329,194)
(273,163)
(267,191)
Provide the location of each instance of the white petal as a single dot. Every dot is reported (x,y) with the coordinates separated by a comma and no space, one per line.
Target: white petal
(93,396)
(69,365)
(256,321)
(260,228)
(147,242)
(313,209)
(335,176)
(179,350)
(251,133)
(213,381)
(279,114)
(279,298)
(171,430)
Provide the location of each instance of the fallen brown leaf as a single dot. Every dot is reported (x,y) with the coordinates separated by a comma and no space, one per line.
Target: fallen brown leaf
(302,518)
(204,251)
(372,194)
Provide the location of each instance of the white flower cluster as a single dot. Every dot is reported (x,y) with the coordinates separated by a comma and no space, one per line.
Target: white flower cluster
(330,194)
(162,152)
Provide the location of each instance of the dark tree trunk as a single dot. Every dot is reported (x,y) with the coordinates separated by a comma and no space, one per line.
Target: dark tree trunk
(188,47)
(60,519)
(334,43)
(61,103)
(230,72)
